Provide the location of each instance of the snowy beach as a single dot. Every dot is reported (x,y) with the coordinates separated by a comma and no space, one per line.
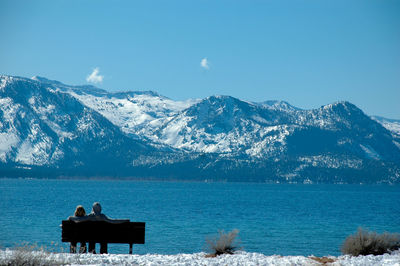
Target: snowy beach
(240,258)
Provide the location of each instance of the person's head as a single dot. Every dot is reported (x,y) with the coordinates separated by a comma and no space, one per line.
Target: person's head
(80,211)
(96,208)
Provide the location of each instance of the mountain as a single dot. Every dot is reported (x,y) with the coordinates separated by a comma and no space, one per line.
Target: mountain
(223,124)
(43,128)
(49,128)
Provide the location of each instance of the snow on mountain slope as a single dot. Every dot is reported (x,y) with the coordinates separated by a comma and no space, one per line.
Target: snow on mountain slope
(134,112)
(278,105)
(9,138)
(40,125)
(149,115)
(392,125)
(26,140)
(224,124)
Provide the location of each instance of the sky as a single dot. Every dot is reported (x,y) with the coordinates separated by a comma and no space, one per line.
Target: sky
(306,52)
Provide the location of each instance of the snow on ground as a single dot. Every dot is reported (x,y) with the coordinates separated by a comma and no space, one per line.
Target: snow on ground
(240,258)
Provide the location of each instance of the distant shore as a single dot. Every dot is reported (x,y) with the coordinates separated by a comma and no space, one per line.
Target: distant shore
(168,180)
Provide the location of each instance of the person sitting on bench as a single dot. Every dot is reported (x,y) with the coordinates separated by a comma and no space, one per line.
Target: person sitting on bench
(80,214)
(96,215)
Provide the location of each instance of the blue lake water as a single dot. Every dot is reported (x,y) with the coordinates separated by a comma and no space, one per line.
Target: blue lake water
(272,219)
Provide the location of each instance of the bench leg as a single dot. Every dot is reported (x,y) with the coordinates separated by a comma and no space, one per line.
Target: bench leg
(130,248)
(72,247)
(92,247)
(83,248)
(103,248)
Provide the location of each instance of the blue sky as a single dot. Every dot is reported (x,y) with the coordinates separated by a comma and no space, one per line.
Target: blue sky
(306,52)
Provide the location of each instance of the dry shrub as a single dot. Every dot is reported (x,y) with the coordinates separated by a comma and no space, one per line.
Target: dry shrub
(225,243)
(29,255)
(370,243)
(323,260)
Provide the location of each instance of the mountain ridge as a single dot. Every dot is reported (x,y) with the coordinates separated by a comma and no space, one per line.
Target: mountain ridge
(68,130)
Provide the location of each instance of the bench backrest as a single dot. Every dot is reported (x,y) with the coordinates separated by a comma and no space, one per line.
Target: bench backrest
(100,231)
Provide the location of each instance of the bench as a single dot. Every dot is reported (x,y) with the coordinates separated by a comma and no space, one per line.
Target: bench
(103,232)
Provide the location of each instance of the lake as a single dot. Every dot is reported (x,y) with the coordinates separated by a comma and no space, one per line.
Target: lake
(284,219)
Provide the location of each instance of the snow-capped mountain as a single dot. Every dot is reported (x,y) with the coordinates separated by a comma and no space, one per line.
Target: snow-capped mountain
(41,126)
(47,124)
(223,124)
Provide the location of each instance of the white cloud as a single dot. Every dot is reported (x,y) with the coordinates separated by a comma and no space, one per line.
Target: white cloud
(94,77)
(204,63)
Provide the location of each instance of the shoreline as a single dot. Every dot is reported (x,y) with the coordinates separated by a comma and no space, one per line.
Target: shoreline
(201,181)
(239,258)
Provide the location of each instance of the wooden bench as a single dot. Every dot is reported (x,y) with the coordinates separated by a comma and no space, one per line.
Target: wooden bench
(103,232)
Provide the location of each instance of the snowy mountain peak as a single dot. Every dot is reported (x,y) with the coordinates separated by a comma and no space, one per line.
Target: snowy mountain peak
(218,99)
(90,89)
(342,110)
(278,105)
(8,80)
(45,80)
(78,89)
(341,105)
(219,107)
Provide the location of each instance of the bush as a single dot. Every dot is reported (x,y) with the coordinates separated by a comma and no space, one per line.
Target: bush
(29,255)
(225,243)
(370,243)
